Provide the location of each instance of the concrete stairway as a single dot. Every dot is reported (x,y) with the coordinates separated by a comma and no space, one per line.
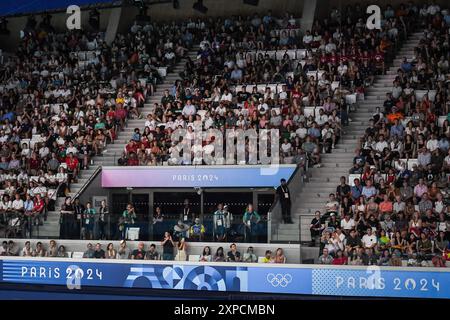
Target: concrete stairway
(324,180)
(112,152)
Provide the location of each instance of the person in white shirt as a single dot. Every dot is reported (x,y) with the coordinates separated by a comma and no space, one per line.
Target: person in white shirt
(347,223)
(226,96)
(307,38)
(189,109)
(72,149)
(301,131)
(381,144)
(433,143)
(321,118)
(369,240)
(17,204)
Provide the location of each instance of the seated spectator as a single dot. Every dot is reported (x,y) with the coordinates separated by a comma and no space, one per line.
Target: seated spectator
(279,256)
(268,257)
(139,253)
(151,253)
(233,255)
(219,256)
(206,255)
(340,258)
(110,253)
(249,256)
(26,251)
(90,252)
(124,251)
(325,258)
(62,252)
(52,249)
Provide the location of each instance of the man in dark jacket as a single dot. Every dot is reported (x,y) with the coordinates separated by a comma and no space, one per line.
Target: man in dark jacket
(285,200)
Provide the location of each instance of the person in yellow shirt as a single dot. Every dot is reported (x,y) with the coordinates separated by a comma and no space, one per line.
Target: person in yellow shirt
(268,257)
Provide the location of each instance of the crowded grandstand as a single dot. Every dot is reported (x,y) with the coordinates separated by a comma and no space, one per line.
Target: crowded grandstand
(73,102)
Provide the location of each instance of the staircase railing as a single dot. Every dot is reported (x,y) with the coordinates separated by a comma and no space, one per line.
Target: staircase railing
(86,184)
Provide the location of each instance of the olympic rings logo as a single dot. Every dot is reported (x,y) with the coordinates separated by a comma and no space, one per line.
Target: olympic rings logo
(279,279)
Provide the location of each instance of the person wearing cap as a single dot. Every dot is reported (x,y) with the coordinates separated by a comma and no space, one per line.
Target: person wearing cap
(197,231)
(284,196)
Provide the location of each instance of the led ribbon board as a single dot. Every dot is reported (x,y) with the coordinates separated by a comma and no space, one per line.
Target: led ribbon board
(225,277)
(191,176)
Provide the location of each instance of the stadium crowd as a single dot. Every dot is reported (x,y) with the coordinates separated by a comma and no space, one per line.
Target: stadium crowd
(395,205)
(259,73)
(64,96)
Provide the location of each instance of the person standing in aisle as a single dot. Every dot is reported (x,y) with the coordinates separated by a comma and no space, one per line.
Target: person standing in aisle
(284,195)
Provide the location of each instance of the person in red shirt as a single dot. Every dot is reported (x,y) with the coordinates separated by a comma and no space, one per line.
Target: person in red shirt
(378,58)
(340,259)
(34,163)
(133,160)
(131,147)
(72,166)
(38,208)
(120,115)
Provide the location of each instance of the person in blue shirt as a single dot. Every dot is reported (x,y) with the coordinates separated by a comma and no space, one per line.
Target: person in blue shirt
(369,190)
(397,129)
(356,189)
(406,66)
(314,131)
(443,144)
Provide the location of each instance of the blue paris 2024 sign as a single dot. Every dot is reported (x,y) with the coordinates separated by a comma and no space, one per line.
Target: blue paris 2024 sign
(335,281)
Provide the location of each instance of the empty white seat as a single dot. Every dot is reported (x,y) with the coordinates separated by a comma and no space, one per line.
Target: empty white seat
(194,257)
(77,255)
(432,95)
(441,121)
(162,71)
(411,163)
(420,94)
(261,259)
(308,111)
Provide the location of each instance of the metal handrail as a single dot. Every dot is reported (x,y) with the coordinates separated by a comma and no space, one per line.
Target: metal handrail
(79,192)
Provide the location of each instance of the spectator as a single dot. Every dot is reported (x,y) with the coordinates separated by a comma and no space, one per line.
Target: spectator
(197,231)
(339,259)
(90,252)
(325,258)
(181,253)
(206,255)
(251,221)
(52,250)
(369,240)
(62,252)
(219,256)
(139,253)
(152,254)
(267,257)
(233,255)
(124,251)
(110,253)
(249,256)
(168,247)
(279,256)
